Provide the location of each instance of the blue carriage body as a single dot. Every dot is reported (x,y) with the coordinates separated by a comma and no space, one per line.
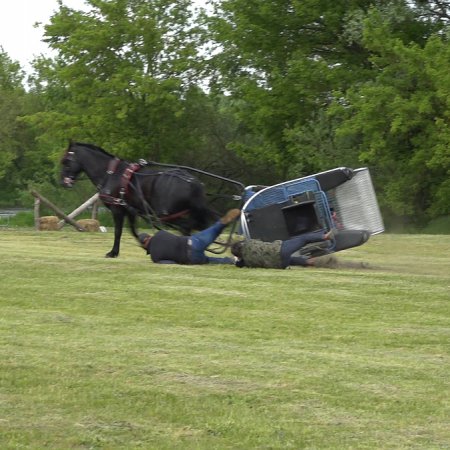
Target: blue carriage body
(340,198)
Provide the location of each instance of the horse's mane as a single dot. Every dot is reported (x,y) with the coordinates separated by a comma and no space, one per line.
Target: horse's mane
(92,147)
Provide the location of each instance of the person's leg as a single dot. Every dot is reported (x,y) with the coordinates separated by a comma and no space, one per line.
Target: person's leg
(298,261)
(294,244)
(224,260)
(204,238)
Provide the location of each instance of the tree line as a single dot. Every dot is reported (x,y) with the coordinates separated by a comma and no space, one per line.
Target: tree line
(257,90)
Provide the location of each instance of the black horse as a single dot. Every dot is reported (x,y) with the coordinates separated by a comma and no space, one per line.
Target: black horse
(129,190)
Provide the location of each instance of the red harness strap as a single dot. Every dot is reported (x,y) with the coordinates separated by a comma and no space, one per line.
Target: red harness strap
(174,216)
(126,177)
(124,181)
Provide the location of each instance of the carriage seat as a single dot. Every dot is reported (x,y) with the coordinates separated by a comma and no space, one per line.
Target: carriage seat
(284,220)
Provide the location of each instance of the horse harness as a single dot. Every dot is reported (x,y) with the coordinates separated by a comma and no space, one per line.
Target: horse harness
(125,180)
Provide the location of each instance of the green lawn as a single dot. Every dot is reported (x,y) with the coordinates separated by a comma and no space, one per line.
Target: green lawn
(125,354)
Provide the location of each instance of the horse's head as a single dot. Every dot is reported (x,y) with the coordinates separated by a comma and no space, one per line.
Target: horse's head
(70,169)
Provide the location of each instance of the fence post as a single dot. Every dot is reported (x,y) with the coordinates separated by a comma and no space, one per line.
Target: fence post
(95,209)
(80,209)
(58,212)
(37,203)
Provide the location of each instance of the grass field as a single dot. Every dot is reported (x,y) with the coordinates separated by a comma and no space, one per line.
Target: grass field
(125,354)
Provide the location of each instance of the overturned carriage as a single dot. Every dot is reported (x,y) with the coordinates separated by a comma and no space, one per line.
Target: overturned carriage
(341,198)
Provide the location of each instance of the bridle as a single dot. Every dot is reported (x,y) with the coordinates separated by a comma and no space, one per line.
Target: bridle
(70,157)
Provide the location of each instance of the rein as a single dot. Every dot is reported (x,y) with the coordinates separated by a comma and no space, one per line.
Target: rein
(174,216)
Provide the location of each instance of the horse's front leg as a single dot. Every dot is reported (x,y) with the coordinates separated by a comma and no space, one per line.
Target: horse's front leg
(118,216)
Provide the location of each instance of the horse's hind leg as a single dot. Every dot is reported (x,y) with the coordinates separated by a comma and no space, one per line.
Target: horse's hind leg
(203,217)
(118,216)
(132,222)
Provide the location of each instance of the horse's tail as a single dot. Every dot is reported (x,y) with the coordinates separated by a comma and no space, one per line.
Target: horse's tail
(201,213)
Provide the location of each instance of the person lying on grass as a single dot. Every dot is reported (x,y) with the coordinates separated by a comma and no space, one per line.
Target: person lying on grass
(278,254)
(167,248)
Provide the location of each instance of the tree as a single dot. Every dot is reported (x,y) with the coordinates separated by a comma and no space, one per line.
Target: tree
(121,76)
(282,61)
(11,92)
(401,120)
(15,137)
(347,82)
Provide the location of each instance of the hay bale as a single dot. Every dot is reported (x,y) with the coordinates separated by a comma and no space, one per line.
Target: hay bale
(48,223)
(89,224)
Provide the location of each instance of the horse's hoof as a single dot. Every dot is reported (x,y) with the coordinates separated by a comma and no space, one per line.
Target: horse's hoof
(111,255)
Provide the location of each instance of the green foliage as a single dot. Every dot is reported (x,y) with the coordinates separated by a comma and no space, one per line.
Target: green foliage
(278,61)
(22,219)
(382,65)
(401,119)
(11,75)
(11,95)
(120,77)
(126,79)
(259,91)
(440,225)
(16,139)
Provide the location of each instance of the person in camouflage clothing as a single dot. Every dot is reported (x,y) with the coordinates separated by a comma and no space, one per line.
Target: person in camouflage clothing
(277,254)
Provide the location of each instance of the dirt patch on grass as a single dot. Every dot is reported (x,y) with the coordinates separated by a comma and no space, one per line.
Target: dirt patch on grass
(333,262)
